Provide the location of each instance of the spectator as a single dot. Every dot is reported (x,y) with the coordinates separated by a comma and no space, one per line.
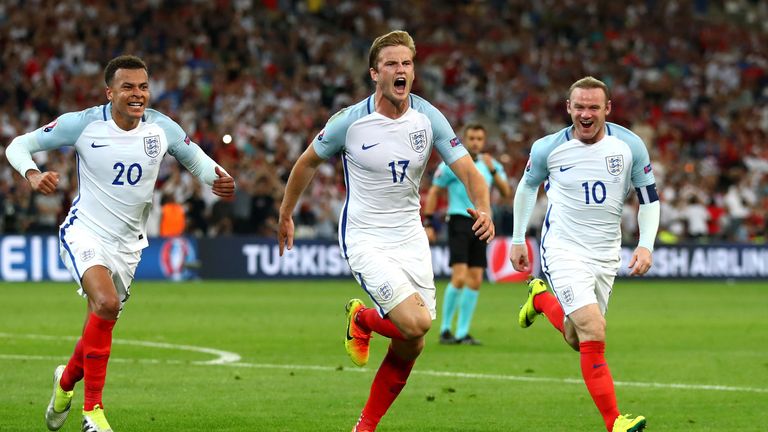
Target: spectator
(172,219)
(697,94)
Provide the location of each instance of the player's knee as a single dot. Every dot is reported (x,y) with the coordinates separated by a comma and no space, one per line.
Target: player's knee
(474,282)
(594,330)
(416,328)
(106,307)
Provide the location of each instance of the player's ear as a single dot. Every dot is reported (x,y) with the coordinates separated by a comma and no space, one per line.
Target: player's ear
(374,74)
(608,108)
(108,92)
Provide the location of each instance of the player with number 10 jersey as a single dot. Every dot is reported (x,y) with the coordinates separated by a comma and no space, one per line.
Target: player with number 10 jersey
(587,186)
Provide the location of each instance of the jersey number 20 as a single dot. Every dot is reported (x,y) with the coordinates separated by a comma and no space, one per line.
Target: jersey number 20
(133,174)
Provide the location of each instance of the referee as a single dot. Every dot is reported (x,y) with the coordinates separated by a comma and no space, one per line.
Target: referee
(468,259)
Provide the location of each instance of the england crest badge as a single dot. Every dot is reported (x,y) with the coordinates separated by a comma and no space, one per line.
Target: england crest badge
(385,291)
(615,164)
(152,146)
(567,295)
(419,140)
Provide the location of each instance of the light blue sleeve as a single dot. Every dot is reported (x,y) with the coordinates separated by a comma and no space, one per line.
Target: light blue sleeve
(525,201)
(184,150)
(64,131)
(444,139)
(444,176)
(333,137)
(642,172)
(536,170)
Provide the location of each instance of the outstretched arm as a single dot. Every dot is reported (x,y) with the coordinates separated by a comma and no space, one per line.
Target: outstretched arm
(301,174)
(473,181)
(19,154)
(430,204)
(525,200)
(648,222)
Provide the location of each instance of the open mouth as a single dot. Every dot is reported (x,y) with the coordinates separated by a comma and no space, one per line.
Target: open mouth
(400,84)
(586,124)
(135,104)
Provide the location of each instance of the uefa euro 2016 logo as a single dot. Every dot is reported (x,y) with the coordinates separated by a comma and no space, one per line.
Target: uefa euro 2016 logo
(178,259)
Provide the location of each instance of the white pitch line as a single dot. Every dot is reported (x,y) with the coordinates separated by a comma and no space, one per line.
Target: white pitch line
(226,358)
(222,357)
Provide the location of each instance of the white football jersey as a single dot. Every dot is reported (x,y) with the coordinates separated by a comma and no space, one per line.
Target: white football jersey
(384,160)
(586,185)
(116,169)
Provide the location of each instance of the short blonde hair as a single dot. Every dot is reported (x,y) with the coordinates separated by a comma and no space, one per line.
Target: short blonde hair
(590,82)
(393,38)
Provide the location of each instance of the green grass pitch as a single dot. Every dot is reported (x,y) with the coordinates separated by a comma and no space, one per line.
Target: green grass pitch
(690,356)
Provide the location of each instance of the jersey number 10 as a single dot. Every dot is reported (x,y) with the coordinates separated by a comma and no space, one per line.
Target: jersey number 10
(598,192)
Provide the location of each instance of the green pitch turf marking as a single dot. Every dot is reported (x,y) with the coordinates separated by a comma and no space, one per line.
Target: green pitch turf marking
(226,358)
(222,357)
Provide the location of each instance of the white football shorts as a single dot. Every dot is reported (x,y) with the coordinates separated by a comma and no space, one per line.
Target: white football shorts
(81,249)
(577,282)
(390,274)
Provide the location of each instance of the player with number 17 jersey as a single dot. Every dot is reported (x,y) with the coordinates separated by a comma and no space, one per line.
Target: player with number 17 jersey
(384,160)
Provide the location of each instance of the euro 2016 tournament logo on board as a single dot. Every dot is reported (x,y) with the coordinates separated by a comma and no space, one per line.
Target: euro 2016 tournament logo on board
(615,164)
(500,268)
(419,140)
(178,259)
(152,146)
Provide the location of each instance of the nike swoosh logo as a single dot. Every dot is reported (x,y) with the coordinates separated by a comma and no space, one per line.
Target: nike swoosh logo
(349,338)
(365,147)
(95,356)
(94,145)
(599,365)
(563,169)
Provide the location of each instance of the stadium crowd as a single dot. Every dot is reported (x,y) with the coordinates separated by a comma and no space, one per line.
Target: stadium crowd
(689,77)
